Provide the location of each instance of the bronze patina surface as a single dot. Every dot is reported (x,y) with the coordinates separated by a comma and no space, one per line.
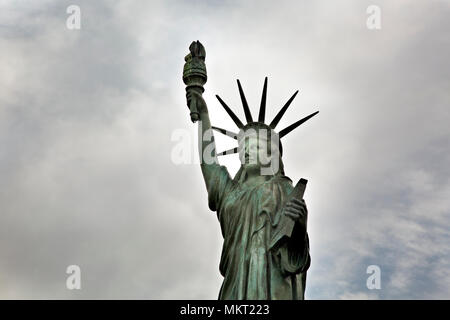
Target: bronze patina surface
(263,217)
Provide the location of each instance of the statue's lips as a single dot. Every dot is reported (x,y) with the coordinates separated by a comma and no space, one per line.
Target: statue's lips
(249,159)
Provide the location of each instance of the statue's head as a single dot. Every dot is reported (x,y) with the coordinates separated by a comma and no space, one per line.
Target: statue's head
(259,144)
(259,148)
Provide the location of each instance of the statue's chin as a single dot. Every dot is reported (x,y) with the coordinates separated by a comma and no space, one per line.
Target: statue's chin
(252,167)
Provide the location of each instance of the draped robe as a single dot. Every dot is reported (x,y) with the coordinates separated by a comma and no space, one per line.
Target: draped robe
(248,216)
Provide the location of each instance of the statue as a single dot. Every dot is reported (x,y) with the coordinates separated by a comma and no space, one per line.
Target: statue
(263,218)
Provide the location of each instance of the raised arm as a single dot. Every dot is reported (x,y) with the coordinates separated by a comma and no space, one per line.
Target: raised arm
(217,178)
(206,143)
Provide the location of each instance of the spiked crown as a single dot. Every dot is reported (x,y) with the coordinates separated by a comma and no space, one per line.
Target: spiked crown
(261,118)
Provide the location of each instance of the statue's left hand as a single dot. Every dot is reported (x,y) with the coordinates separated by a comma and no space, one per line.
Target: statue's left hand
(296,210)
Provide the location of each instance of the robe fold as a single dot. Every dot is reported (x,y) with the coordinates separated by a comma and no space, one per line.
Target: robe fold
(248,216)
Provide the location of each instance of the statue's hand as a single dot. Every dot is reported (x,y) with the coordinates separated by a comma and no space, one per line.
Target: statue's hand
(192,95)
(296,210)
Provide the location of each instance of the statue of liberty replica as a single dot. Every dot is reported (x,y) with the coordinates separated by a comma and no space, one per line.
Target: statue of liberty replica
(263,217)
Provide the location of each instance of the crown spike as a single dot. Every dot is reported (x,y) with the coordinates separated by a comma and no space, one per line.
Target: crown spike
(229,151)
(288,129)
(262,108)
(280,114)
(226,132)
(230,112)
(248,115)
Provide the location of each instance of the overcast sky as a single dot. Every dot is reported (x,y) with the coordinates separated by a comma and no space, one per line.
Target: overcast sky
(87,124)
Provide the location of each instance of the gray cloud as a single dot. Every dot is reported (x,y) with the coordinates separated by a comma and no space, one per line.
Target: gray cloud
(87,116)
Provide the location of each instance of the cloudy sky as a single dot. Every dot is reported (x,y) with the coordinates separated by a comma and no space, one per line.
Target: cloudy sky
(89,120)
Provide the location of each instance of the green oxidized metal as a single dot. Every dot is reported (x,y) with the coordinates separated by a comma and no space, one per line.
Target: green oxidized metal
(263,217)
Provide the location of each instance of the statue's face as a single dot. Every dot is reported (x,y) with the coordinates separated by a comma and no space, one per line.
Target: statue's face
(256,152)
(259,150)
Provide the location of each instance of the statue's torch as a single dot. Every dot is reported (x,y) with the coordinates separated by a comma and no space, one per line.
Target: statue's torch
(194,74)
